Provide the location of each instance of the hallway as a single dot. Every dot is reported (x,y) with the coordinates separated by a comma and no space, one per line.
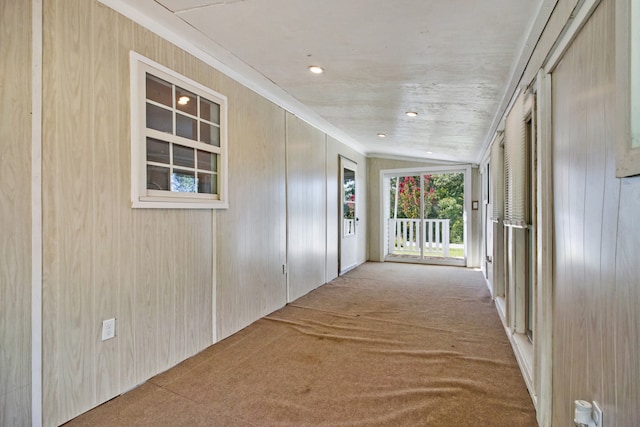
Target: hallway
(386,344)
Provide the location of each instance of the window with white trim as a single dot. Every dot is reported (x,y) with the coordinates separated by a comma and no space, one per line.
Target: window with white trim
(178,140)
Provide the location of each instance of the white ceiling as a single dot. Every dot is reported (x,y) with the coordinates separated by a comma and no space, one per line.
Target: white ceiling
(455,62)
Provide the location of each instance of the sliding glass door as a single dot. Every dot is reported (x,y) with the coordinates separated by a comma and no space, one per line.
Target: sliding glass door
(425,216)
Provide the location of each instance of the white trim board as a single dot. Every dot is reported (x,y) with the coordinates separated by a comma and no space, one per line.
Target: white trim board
(543,356)
(579,17)
(36,213)
(544,13)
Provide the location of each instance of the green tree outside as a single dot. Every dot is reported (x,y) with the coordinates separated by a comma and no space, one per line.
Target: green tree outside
(443,199)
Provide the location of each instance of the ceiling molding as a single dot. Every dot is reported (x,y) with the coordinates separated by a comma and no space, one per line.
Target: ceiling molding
(527,49)
(418,159)
(168,26)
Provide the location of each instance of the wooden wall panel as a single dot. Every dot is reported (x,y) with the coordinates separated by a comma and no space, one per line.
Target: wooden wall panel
(560,15)
(252,232)
(105,166)
(306,207)
(163,274)
(15,213)
(333,208)
(596,293)
(74,179)
(152,270)
(126,261)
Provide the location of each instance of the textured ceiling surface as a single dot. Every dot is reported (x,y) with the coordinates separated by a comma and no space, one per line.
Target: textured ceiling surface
(450,61)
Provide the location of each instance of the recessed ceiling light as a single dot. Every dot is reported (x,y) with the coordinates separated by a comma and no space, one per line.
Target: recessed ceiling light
(382,135)
(411,113)
(183,100)
(429,152)
(316,69)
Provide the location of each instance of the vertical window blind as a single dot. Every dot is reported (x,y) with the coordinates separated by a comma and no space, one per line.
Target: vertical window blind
(515,167)
(497,178)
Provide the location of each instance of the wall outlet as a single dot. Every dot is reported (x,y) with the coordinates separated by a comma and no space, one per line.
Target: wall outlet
(108,329)
(596,414)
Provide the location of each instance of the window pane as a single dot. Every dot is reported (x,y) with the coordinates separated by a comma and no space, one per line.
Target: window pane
(209,111)
(157,151)
(349,210)
(206,161)
(158,90)
(157,178)
(186,127)
(209,134)
(349,185)
(183,156)
(159,119)
(186,101)
(183,181)
(207,183)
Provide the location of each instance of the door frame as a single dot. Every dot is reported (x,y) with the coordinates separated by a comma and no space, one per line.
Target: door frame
(465,169)
(345,162)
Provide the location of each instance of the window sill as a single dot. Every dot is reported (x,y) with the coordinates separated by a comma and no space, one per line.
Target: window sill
(217,204)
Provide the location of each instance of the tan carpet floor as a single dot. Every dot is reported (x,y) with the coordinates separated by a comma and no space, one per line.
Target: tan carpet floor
(385,345)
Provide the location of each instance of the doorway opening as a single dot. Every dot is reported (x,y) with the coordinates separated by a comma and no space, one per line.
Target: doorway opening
(424,216)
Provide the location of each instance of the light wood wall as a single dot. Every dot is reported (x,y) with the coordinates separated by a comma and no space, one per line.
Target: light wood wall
(175,280)
(251,242)
(596,256)
(152,270)
(306,207)
(333,208)
(15,213)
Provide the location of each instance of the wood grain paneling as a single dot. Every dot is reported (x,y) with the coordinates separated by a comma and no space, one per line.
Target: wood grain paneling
(105,163)
(152,270)
(560,15)
(596,258)
(15,213)
(155,270)
(306,207)
(125,329)
(252,232)
(333,208)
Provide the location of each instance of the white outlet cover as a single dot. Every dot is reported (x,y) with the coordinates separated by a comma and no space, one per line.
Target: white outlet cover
(597,414)
(108,329)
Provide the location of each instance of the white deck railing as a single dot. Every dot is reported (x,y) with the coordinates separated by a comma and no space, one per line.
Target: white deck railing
(404,236)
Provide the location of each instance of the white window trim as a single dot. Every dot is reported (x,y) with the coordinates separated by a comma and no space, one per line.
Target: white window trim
(140,196)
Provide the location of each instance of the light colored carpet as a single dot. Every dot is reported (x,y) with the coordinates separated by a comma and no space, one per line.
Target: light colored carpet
(386,345)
